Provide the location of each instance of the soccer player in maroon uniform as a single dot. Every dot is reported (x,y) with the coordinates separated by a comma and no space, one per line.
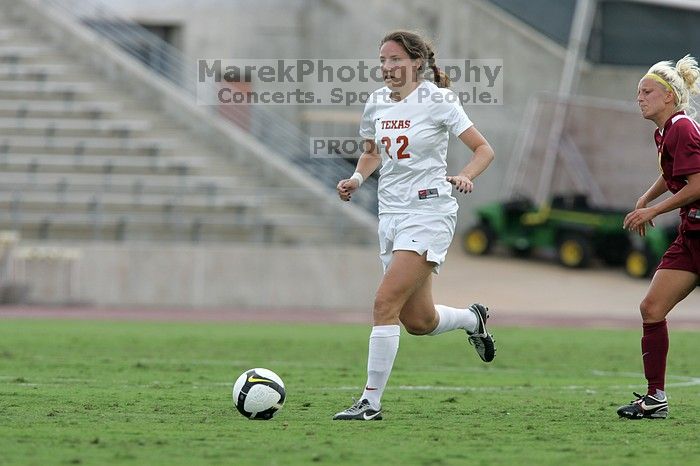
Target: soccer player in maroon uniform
(664,97)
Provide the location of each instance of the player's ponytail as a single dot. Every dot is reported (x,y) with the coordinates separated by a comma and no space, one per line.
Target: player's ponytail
(682,79)
(439,78)
(417,47)
(687,68)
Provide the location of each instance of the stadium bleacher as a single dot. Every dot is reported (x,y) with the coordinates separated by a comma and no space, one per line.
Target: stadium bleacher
(82,158)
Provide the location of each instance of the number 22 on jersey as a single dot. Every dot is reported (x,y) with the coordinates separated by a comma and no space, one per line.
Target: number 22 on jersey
(400,154)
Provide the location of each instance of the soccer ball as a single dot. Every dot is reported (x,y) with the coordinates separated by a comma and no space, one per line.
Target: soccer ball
(258,394)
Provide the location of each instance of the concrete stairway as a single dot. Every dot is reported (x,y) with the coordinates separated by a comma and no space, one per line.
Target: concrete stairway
(83,158)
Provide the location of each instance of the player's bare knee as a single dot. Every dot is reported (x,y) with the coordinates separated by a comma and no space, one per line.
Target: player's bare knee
(385,309)
(410,326)
(416,329)
(651,311)
(413,330)
(420,325)
(646,308)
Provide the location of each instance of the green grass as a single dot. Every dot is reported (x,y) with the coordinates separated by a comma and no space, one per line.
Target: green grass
(75,392)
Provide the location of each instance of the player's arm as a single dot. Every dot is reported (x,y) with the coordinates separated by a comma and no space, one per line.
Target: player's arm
(369,160)
(657,189)
(366,165)
(482,158)
(689,193)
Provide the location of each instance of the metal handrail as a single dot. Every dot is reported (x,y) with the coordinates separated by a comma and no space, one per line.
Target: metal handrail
(270,129)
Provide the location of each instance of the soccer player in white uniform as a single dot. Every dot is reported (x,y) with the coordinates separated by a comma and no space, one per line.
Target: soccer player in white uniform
(406,128)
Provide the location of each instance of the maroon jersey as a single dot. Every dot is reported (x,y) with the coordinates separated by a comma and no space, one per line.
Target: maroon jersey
(678,147)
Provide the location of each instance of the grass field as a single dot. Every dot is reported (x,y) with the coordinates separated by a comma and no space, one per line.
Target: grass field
(75,392)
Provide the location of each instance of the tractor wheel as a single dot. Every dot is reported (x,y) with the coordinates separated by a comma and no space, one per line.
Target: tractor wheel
(613,250)
(638,264)
(478,240)
(574,251)
(521,251)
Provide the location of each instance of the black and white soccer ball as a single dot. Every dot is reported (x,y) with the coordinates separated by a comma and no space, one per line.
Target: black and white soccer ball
(258,393)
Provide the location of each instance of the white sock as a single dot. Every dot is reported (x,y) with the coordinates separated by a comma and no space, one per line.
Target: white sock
(383,345)
(452,318)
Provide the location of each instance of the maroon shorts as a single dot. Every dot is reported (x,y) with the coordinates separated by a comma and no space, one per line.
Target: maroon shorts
(683,254)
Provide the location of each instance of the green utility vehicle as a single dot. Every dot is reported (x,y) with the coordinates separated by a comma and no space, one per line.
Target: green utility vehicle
(644,253)
(576,231)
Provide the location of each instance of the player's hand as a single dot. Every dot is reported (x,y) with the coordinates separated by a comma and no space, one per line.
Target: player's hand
(461,183)
(638,219)
(346,188)
(641,203)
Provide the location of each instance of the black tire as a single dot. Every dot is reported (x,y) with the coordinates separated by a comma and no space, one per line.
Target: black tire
(613,250)
(478,240)
(574,250)
(521,253)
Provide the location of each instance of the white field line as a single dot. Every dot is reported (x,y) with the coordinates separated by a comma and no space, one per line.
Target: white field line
(678,381)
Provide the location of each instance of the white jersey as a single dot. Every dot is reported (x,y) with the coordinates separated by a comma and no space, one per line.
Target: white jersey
(412,137)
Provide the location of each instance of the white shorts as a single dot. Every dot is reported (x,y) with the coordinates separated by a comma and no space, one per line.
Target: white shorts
(422,233)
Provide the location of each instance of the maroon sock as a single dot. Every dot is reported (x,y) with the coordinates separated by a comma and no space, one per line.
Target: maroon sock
(654,351)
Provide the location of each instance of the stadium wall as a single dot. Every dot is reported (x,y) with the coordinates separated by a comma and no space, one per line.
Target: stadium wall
(196,276)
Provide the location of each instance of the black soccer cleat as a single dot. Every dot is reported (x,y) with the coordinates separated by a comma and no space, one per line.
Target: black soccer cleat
(360,411)
(481,339)
(645,406)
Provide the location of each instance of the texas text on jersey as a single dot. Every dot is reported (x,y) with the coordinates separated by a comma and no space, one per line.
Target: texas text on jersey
(412,137)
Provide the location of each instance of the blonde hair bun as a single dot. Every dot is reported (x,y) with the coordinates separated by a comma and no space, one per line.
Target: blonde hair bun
(687,68)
